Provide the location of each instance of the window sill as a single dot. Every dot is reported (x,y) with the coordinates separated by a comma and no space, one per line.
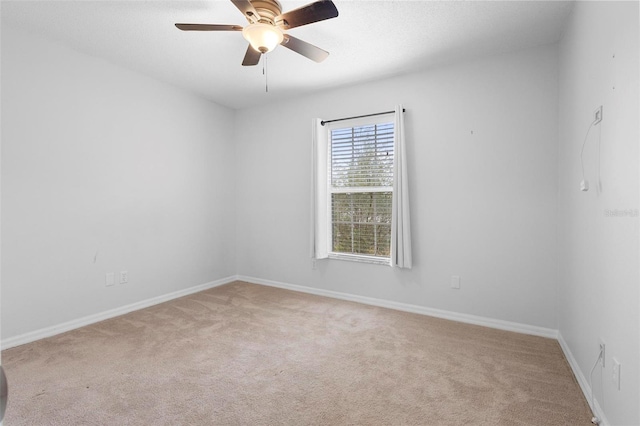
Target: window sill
(361,259)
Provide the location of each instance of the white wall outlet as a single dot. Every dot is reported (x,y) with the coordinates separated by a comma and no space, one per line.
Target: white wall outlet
(616,373)
(603,353)
(124,277)
(597,115)
(455,281)
(109,279)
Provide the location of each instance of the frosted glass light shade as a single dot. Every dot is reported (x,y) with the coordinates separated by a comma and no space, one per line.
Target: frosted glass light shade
(262,37)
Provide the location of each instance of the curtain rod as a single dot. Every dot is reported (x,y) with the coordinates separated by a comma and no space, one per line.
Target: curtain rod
(323,122)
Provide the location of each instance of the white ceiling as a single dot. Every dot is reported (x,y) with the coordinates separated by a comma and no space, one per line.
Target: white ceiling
(367,41)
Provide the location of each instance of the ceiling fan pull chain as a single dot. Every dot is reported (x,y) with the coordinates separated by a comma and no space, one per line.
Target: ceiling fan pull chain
(265,71)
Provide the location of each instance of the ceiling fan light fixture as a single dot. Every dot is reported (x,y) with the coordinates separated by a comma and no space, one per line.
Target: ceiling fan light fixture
(263,37)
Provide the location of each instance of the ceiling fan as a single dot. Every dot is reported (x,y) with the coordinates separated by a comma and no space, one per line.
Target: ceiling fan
(267,24)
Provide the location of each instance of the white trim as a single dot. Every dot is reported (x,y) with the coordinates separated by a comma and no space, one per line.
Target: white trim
(359,189)
(399,306)
(582,380)
(375,260)
(91,319)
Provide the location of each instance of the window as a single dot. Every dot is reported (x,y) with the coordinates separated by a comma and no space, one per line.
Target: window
(360,188)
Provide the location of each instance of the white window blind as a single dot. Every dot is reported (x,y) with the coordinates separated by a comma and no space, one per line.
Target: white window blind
(361,189)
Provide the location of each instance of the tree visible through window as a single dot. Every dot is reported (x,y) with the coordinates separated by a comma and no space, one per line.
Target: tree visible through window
(361,189)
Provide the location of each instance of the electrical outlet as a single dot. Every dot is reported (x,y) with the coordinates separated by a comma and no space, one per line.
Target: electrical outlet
(616,373)
(109,279)
(597,115)
(455,281)
(602,347)
(124,277)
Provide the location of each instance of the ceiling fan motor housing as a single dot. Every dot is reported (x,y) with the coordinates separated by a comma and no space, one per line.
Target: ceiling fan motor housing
(268,10)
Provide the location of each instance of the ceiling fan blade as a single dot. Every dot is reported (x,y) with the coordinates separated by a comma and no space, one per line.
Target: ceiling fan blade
(208,27)
(247,9)
(252,57)
(305,49)
(314,12)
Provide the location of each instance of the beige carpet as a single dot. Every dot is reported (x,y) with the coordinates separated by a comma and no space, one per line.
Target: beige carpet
(243,354)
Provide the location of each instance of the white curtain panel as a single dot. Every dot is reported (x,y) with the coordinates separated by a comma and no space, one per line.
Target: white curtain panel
(400,219)
(319,147)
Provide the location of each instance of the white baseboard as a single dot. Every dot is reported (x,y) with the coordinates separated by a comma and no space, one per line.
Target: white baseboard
(582,381)
(439,313)
(91,319)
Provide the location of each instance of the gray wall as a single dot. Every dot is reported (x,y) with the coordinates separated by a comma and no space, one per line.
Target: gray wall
(599,252)
(483,204)
(105,170)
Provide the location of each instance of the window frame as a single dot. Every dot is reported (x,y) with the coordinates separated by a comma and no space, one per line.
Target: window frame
(350,123)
